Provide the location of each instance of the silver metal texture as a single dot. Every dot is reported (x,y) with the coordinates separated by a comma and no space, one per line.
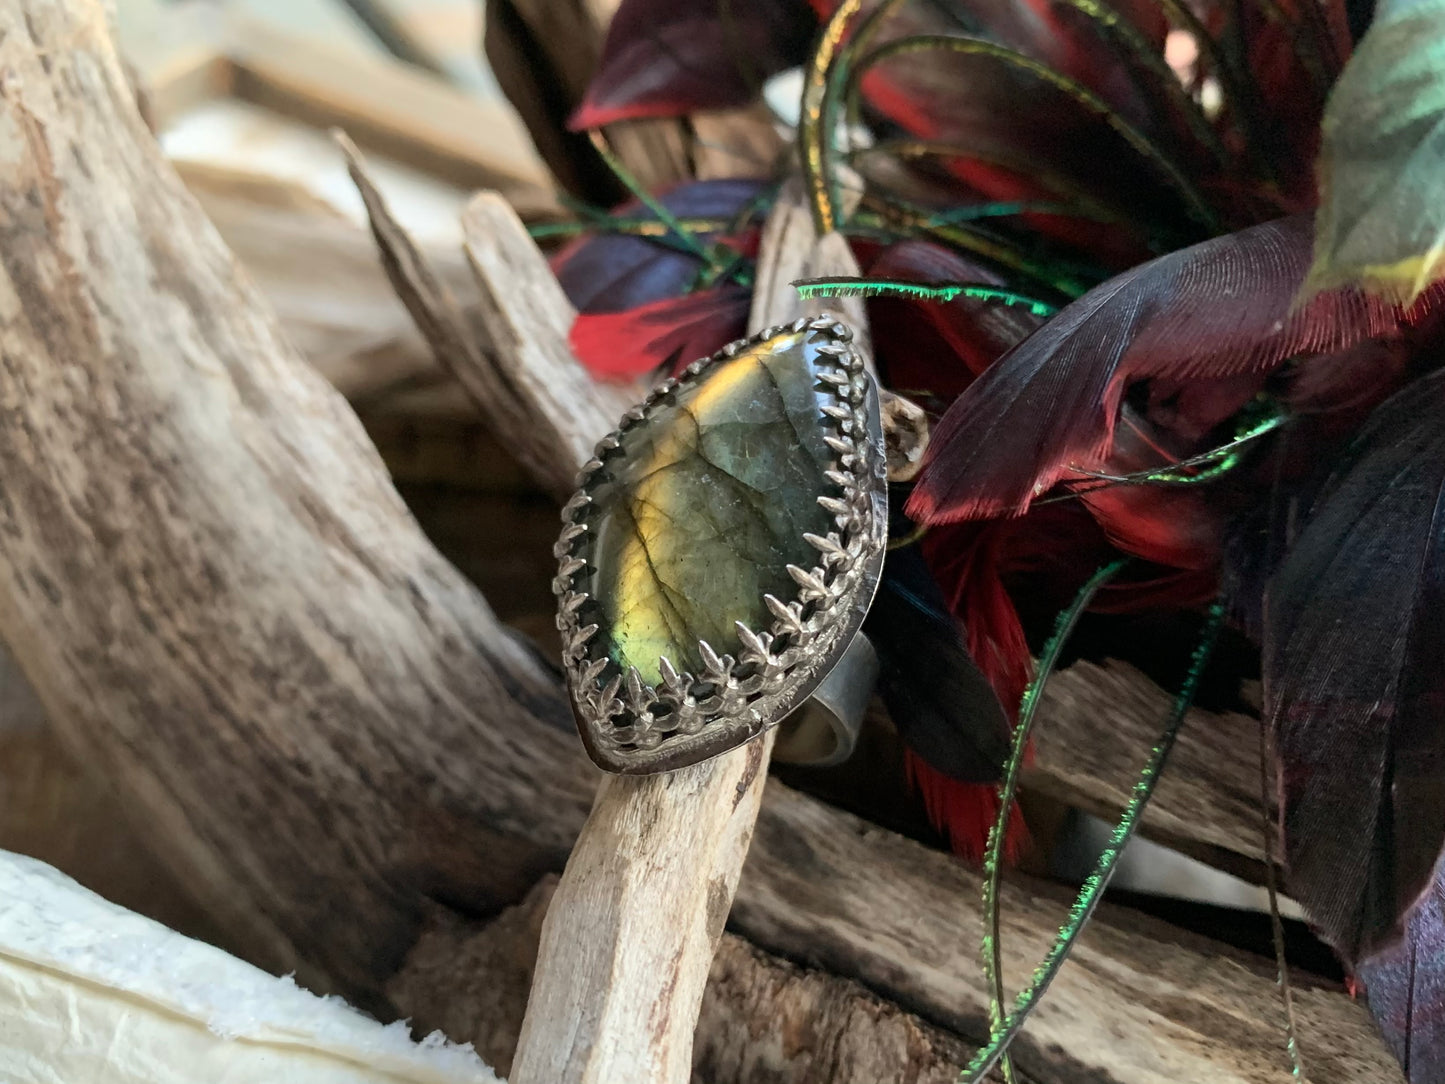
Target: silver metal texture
(632,727)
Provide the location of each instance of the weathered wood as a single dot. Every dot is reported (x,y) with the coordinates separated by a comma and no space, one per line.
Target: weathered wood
(636,918)
(512,358)
(318,272)
(1140,1000)
(196,53)
(543,53)
(207,577)
(1096,724)
(763,1020)
(224,607)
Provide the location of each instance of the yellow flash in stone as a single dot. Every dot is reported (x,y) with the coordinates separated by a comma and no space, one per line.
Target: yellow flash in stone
(707,504)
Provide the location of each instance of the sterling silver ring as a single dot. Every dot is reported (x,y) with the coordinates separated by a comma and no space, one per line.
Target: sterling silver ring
(719,556)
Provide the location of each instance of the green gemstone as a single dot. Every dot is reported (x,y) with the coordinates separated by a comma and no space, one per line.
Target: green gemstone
(703,506)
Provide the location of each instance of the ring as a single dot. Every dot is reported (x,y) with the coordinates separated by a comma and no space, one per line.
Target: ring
(719,556)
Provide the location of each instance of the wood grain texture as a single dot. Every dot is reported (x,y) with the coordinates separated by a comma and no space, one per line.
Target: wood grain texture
(764,1020)
(1096,724)
(194,52)
(1140,1001)
(631,931)
(510,353)
(220,600)
(228,614)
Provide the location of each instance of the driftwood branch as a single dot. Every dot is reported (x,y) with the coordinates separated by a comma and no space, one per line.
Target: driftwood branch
(763,1019)
(230,618)
(207,577)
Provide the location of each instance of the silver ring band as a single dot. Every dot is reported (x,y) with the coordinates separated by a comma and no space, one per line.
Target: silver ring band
(824,731)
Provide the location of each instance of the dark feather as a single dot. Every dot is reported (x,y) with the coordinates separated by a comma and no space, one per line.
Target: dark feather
(1354,635)
(1405,987)
(1177,526)
(941,348)
(1217,309)
(613,272)
(943,706)
(667,59)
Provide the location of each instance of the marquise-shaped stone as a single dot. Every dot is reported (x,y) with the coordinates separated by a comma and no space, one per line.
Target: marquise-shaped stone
(697,513)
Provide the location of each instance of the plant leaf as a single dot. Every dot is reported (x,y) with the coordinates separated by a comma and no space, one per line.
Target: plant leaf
(1381,222)
(1354,632)
(665,59)
(1216,309)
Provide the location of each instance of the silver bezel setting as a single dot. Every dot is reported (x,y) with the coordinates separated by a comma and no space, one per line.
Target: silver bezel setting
(632,727)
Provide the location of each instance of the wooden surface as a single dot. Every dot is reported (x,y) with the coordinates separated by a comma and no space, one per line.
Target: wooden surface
(510,355)
(231,619)
(196,52)
(222,603)
(763,1020)
(1096,724)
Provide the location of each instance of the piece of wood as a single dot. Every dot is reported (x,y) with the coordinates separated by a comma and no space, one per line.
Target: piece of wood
(319,273)
(51,810)
(1140,1001)
(543,53)
(630,936)
(1096,724)
(763,1020)
(230,616)
(393,110)
(512,358)
(210,582)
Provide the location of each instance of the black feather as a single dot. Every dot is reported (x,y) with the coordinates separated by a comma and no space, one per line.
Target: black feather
(943,706)
(1354,638)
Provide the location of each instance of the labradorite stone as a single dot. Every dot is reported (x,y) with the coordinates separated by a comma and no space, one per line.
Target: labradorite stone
(704,506)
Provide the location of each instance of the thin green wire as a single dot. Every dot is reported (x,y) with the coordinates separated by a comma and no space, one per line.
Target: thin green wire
(993,857)
(919,291)
(1093,888)
(652,203)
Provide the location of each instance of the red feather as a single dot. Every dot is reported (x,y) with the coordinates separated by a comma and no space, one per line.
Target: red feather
(666,59)
(665,333)
(964,812)
(940,348)
(1217,309)
(1177,526)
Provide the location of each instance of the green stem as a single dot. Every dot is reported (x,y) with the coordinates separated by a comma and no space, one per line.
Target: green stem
(688,240)
(1008,790)
(1093,888)
(919,291)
